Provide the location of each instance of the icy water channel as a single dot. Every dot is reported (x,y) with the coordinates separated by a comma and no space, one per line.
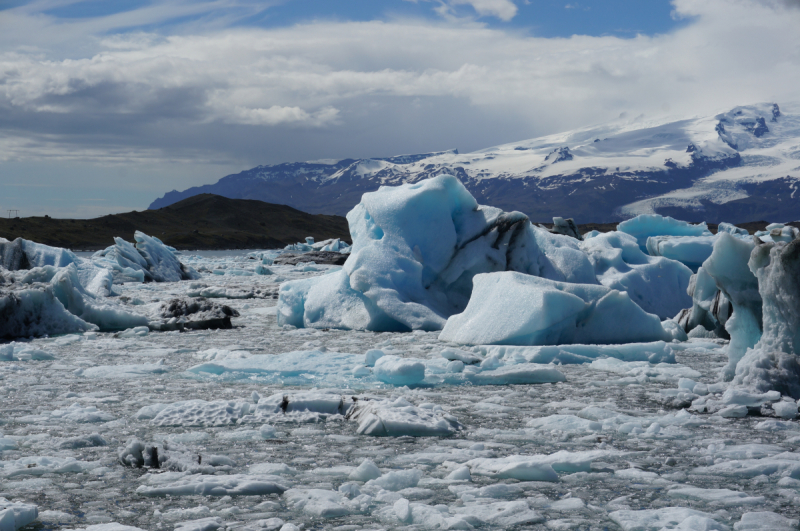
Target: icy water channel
(628,460)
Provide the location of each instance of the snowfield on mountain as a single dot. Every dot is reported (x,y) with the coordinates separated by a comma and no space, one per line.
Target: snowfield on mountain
(739,165)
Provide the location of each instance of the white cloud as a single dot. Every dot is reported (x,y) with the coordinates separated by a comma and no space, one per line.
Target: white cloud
(337,89)
(502,9)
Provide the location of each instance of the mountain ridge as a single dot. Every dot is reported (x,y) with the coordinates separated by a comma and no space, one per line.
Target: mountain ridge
(735,166)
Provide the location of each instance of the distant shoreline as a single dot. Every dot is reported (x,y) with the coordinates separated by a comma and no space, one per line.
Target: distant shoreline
(202,223)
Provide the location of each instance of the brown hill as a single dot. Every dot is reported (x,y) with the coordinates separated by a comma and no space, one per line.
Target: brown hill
(204,221)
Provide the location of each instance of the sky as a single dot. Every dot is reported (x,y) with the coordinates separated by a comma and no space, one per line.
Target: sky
(106,105)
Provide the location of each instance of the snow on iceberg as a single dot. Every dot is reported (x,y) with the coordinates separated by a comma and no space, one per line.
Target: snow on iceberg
(656,284)
(415,250)
(645,225)
(514,309)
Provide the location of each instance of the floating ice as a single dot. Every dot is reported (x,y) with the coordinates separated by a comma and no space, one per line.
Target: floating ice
(24,255)
(677,518)
(725,279)
(14,515)
(107,316)
(211,523)
(396,480)
(656,352)
(36,311)
(41,465)
(765,521)
(201,413)
(399,371)
(180,484)
(324,503)
(291,368)
(126,371)
(400,417)
(515,309)
(193,314)
(724,497)
(646,225)
(149,258)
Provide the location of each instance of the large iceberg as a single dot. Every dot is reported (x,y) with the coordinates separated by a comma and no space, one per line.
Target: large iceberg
(773,364)
(416,248)
(659,285)
(514,309)
(24,254)
(726,294)
(27,311)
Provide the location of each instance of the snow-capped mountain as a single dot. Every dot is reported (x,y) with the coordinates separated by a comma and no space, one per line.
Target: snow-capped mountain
(737,166)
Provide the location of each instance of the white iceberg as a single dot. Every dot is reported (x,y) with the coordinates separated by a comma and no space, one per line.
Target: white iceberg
(149,260)
(24,255)
(773,364)
(515,309)
(646,225)
(655,283)
(397,418)
(415,250)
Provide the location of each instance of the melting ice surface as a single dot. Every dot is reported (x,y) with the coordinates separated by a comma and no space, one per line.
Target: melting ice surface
(269,427)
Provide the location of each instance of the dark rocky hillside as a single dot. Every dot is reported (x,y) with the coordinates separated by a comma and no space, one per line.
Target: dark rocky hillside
(203,221)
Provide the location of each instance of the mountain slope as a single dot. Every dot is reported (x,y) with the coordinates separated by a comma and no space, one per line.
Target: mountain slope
(203,221)
(740,165)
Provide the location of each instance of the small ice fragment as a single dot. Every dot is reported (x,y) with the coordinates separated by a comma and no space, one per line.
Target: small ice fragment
(397,480)
(455,366)
(402,510)
(785,410)
(365,471)
(372,356)
(268,432)
(460,474)
(361,371)
(350,490)
(399,371)
(736,411)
